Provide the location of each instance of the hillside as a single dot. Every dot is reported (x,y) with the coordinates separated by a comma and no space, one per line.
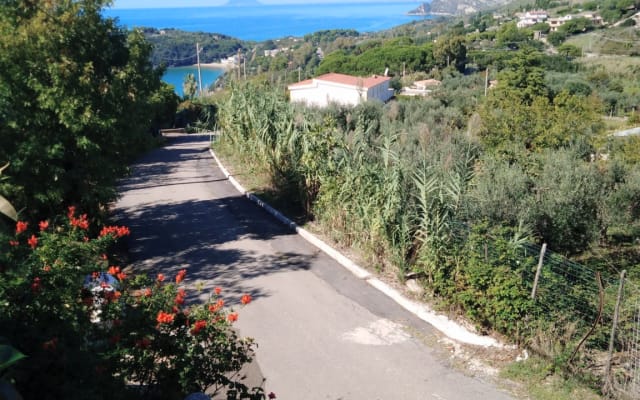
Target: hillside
(175,48)
(464,7)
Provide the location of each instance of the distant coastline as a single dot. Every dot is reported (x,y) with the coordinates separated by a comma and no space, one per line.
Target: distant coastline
(423,10)
(215,65)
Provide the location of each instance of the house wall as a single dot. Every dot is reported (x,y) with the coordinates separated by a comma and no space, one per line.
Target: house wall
(380,92)
(325,93)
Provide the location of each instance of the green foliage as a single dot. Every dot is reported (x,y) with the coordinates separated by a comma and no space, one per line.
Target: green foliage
(326,36)
(509,35)
(189,87)
(398,54)
(493,284)
(450,51)
(569,194)
(175,48)
(89,330)
(73,115)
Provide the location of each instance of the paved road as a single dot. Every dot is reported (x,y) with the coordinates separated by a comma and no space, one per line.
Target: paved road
(322,333)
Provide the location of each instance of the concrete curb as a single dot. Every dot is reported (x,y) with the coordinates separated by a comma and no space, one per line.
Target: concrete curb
(440,322)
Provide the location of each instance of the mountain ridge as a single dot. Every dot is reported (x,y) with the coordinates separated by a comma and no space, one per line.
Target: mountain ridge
(464,7)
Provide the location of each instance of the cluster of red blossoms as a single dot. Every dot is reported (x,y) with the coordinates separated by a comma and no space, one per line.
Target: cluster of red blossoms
(117,231)
(165,318)
(181,274)
(81,223)
(21,227)
(115,271)
(198,326)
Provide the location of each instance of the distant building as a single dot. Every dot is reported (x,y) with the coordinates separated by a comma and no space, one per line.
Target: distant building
(340,89)
(421,88)
(555,23)
(275,52)
(531,18)
(426,84)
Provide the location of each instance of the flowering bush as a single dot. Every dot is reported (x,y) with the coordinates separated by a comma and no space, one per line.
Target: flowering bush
(90,330)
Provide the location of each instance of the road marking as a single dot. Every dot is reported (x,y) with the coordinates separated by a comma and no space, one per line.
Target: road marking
(379,333)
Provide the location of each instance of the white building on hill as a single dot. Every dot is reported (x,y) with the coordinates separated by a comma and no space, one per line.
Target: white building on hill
(341,89)
(531,18)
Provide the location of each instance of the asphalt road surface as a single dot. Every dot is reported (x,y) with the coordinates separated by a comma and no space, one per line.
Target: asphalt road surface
(321,332)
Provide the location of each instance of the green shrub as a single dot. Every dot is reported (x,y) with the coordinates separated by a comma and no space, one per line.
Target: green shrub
(89,330)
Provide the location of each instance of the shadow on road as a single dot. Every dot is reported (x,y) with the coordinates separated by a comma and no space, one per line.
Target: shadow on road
(213,240)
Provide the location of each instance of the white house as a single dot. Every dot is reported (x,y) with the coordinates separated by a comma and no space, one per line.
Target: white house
(531,18)
(341,89)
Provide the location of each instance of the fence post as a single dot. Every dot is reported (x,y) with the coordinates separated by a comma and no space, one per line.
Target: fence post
(608,384)
(543,250)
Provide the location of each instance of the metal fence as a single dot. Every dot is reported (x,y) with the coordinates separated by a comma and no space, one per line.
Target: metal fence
(589,316)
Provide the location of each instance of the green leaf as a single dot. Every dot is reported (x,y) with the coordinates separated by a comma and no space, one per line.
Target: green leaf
(7,209)
(9,356)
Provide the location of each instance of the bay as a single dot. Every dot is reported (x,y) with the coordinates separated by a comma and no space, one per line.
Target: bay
(175,76)
(264,22)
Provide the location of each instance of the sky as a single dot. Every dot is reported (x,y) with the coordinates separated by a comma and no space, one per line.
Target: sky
(205,3)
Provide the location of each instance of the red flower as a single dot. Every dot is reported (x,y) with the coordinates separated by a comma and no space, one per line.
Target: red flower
(81,222)
(218,290)
(104,257)
(164,318)
(198,326)
(181,275)
(121,276)
(35,286)
(216,307)
(21,227)
(117,231)
(271,395)
(113,270)
(246,299)
(13,243)
(33,241)
(43,225)
(113,296)
(160,277)
(72,212)
(95,274)
(46,268)
(147,292)
(233,317)
(179,300)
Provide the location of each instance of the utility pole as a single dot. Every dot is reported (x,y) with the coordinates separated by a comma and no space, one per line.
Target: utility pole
(199,73)
(299,72)
(486,83)
(239,61)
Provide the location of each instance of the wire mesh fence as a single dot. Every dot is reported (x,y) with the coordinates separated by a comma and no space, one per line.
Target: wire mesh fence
(587,317)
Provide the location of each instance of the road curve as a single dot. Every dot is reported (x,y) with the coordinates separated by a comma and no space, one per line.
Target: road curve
(322,333)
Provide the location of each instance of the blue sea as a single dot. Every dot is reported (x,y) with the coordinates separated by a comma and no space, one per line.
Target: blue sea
(264,22)
(270,21)
(175,76)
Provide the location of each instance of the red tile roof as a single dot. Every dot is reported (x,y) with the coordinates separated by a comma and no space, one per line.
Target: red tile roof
(302,83)
(367,82)
(349,80)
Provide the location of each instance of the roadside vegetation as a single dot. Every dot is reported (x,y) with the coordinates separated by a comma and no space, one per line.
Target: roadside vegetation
(461,188)
(79,100)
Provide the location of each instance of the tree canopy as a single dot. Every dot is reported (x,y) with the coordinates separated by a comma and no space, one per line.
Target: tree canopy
(78,97)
